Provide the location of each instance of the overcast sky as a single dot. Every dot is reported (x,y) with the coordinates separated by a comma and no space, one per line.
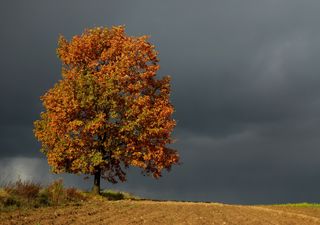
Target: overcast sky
(245,86)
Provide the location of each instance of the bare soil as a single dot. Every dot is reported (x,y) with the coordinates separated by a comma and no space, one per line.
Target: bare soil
(156,212)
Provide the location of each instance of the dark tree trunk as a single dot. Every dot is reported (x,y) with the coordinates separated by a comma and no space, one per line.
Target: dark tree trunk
(96,182)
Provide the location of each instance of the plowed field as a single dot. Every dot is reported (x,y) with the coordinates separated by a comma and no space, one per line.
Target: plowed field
(154,212)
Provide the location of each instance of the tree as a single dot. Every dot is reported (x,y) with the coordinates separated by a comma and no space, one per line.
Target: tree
(109,111)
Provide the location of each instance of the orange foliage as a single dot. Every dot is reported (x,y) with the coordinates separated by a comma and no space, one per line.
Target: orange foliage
(109,111)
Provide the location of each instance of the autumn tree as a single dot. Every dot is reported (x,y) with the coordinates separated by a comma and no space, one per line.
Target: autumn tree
(109,111)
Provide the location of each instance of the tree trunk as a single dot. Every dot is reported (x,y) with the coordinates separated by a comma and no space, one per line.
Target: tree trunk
(96,182)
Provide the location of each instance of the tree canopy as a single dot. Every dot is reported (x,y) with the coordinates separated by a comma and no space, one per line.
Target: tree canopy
(109,111)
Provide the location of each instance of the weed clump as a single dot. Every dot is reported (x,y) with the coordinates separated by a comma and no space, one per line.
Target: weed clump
(23,189)
(72,194)
(116,195)
(27,194)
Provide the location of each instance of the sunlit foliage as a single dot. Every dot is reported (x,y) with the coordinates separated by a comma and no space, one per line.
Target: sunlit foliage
(109,111)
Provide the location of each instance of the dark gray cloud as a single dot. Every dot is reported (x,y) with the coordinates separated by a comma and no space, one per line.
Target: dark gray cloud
(245,87)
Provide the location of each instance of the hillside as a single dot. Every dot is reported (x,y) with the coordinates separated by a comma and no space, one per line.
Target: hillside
(100,211)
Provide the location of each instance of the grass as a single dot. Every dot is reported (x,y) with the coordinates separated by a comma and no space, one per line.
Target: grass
(302,204)
(116,195)
(26,194)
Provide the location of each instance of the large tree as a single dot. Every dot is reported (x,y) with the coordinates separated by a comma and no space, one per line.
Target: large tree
(109,111)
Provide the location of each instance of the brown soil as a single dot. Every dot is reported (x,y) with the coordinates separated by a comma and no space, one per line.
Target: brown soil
(153,212)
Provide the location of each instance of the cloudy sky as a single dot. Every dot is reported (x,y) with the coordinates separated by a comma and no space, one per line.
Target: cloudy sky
(245,85)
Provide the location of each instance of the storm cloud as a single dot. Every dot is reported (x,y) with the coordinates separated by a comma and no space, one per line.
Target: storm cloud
(245,86)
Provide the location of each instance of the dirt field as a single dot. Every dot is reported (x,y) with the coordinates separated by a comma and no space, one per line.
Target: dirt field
(153,212)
